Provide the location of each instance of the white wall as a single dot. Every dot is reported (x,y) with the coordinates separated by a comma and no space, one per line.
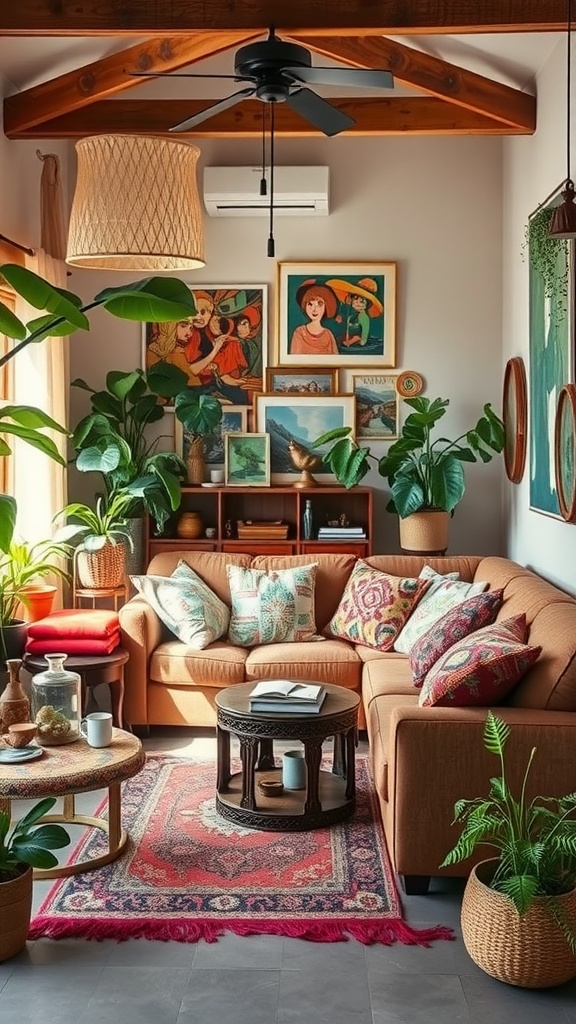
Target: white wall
(533,168)
(433,205)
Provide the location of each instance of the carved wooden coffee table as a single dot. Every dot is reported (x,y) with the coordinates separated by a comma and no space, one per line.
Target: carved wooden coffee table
(77,768)
(329,797)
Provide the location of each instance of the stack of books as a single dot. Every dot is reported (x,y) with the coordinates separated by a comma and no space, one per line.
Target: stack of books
(262,529)
(284,696)
(341,533)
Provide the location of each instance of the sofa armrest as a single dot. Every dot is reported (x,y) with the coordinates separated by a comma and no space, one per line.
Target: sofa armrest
(141,631)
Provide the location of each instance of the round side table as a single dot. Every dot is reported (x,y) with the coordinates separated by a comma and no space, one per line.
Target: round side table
(94,671)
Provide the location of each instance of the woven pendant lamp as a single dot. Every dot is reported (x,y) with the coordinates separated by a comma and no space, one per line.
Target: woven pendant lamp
(136,205)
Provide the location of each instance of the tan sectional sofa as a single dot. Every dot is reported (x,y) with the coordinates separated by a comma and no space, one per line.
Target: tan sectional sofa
(423,759)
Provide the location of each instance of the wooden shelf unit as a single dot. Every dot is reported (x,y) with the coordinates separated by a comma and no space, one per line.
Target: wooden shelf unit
(217,505)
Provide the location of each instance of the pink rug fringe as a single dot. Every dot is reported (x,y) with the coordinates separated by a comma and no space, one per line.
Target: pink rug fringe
(385,932)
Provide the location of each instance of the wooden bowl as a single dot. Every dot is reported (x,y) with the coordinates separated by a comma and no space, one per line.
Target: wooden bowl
(20,735)
(270,787)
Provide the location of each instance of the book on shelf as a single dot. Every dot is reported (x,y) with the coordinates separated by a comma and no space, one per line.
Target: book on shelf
(287,697)
(341,531)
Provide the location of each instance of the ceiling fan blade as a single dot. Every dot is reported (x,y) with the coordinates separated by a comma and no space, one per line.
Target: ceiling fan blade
(210,111)
(357,78)
(319,112)
(182,74)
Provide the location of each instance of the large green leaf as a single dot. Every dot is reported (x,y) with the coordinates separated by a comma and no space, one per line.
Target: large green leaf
(496,732)
(30,416)
(165,379)
(199,414)
(35,439)
(10,325)
(154,299)
(42,295)
(7,520)
(120,384)
(48,327)
(100,458)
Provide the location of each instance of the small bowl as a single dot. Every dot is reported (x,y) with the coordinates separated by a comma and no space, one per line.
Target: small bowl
(19,735)
(270,787)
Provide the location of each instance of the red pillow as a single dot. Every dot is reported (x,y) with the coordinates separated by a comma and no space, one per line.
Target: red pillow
(75,623)
(75,648)
(481,669)
(462,620)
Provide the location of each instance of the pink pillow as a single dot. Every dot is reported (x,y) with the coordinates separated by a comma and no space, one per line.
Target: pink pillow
(481,669)
(459,622)
(374,607)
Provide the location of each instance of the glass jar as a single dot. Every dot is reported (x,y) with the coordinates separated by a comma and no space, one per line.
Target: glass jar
(56,703)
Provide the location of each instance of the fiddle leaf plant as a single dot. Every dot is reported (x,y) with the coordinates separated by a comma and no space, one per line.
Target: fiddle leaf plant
(535,841)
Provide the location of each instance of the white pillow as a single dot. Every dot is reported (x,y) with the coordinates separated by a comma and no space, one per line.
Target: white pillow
(443,594)
(186,604)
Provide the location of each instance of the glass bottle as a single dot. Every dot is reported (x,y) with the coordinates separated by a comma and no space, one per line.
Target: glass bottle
(56,703)
(308,520)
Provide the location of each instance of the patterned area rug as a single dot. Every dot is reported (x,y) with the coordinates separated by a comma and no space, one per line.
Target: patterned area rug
(189,874)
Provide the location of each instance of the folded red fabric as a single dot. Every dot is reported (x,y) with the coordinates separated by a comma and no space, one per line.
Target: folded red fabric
(85,647)
(76,623)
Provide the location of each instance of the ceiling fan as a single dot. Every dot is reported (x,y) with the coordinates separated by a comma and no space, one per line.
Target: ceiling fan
(278,72)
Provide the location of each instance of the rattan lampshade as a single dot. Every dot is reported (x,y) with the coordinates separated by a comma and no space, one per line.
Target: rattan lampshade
(136,205)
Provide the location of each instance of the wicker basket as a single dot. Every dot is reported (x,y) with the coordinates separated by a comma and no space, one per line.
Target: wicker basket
(15,910)
(425,532)
(530,951)
(102,569)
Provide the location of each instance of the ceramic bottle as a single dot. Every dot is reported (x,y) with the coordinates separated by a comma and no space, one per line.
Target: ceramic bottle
(14,704)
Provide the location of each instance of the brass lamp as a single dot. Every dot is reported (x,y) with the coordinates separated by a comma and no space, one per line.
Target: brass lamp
(136,205)
(563,222)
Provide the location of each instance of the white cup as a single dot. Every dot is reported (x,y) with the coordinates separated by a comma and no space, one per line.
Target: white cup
(217,476)
(97,729)
(294,769)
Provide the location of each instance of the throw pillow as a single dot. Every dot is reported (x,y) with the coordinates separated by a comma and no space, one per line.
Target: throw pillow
(481,669)
(272,607)
(186,605)
(374,606)
(442,595)
(467,617)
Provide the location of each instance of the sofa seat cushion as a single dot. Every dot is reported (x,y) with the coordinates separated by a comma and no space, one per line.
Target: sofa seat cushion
(177,664)
(371,654)
(390,676)
(329,662)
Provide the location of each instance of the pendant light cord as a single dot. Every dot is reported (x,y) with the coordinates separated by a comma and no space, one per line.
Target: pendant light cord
(263,178)
(568,86)
(271,251)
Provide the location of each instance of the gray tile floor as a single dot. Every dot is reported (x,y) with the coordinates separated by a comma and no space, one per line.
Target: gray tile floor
(268,979)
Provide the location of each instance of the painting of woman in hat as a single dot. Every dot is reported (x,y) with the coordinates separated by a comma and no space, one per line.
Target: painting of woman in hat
(317,301)
(361,303)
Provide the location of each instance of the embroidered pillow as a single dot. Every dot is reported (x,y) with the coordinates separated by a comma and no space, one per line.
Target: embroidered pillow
(374,607)
(481,669)
(444,595)
(272,607)
(461,621)
(187,605)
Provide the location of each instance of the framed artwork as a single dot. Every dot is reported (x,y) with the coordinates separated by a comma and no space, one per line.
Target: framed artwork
(515,415)
(336,314)
(565,452)
(247,460)
(234,421)
(293,423)
(304,380)
(377,404)
(223,348)
(551,288)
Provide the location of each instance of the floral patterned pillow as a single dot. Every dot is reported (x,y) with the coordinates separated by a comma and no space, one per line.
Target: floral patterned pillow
(374,607)
(481,669)
(461,621)
(186,605)
(272,607)
(441,596)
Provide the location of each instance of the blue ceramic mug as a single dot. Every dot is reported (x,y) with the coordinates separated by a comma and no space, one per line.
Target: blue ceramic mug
(294,769)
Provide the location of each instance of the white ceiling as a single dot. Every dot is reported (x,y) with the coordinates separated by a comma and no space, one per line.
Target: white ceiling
(511,58)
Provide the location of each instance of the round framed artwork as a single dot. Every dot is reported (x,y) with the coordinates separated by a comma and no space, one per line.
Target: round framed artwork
(409,384)
(515,416)
(565,452)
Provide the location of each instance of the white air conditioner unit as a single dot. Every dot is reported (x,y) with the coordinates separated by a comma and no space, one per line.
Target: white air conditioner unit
(235,191)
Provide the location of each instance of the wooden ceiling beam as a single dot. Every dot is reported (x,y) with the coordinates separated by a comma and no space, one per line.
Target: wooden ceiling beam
(110,75)
(165,17)
(434,76)
(374,117)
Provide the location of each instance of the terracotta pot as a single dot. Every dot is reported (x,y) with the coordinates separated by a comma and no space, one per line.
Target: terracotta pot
(529,951)
(189,525)
(15,911)
(424,533)
(38,600)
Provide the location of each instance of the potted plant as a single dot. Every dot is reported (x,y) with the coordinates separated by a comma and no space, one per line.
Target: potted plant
(27,845)
(21,567)
(199,414)
(104,533)
(425,475)
(519,909)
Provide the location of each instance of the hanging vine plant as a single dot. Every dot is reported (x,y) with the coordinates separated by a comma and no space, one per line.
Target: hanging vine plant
(550,259)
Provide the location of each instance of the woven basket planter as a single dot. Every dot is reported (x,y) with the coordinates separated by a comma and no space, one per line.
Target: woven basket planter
(102,569)
(424,532)
(15,911)
(529,951)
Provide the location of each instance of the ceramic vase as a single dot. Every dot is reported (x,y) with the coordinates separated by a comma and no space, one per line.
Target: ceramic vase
(14,704)
(195,462)
(189,525)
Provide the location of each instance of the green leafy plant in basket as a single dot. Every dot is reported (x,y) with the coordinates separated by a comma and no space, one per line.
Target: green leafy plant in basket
(29,843)
(535,841)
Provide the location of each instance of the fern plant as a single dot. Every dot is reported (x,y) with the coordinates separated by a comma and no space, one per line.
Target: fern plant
(535,841)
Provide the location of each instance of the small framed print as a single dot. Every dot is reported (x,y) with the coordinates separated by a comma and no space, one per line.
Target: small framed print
(234,421)
(565,452)
(515,417)
(300,380)
(247,460)
(293,423)
(377,404)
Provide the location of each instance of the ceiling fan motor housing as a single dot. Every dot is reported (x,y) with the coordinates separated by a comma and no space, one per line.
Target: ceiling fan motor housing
(265,64)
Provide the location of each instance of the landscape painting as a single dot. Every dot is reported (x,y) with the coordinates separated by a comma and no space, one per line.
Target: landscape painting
(294,423)
(377,403)
(247,460)
(312,380)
